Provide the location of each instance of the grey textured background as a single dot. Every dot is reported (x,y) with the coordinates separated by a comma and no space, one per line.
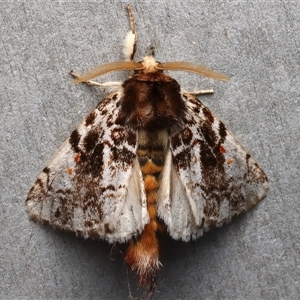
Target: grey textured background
(254,43)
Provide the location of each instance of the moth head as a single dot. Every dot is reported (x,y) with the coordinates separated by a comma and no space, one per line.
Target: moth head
(149,63)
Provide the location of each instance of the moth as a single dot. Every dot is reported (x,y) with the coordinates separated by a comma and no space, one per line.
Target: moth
(150,158)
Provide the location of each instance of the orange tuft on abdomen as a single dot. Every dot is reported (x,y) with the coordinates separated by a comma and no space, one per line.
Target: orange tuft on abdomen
(143,255)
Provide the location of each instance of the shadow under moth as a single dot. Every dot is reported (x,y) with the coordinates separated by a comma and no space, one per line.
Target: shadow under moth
(150,158)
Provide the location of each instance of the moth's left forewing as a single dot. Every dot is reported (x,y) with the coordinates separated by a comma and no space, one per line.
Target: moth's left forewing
(214,174)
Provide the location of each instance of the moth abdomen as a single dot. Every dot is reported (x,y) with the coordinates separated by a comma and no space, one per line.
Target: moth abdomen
(151,152)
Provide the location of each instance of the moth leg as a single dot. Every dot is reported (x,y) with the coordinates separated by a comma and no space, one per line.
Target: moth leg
(109,84)
(131,38)
(200,92)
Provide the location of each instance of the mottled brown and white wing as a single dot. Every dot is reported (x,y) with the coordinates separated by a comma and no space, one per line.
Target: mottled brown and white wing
(208,176)
(93,185)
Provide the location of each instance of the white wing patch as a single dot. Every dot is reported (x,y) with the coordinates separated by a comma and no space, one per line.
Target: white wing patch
(174,205)
(93,185)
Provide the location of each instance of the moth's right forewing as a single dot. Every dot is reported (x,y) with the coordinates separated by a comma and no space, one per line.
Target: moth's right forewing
(93,185)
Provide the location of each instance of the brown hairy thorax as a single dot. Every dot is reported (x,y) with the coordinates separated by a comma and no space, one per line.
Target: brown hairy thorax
(151,101)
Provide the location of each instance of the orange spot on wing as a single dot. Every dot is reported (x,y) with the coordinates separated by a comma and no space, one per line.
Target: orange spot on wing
(77,157)
(69,171)
(222,149)
(229,161)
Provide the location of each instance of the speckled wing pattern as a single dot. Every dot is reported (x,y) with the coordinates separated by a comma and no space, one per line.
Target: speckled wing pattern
(208,176)
(93,185)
